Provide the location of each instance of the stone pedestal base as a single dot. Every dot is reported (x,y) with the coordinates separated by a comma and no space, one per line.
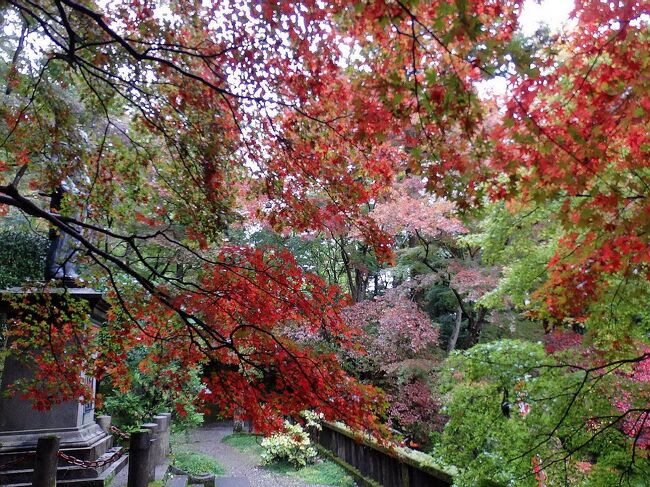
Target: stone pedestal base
(86,443)
(71,438)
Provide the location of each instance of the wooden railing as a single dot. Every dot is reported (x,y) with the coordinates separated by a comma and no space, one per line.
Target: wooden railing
(378,465)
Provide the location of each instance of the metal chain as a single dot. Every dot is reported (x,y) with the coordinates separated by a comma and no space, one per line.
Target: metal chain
(118,432)
(15,461)
(70,459)
(77,461)
(92,463)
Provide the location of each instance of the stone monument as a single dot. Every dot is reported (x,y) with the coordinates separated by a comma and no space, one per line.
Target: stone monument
(73,422)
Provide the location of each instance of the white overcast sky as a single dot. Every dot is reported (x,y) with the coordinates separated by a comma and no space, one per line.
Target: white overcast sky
(553,13)
(550,12)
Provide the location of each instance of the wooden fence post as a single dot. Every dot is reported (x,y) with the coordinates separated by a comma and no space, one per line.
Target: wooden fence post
(139,447)
(47,459)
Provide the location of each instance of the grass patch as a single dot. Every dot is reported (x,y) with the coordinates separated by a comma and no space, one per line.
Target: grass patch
(323,472)
(244,442)
(197,463)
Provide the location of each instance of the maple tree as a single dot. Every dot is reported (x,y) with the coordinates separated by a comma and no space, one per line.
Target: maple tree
(430,238)
(156,117)
(398,354)
(520,414)
(579,143)
(158,184)
(407,209)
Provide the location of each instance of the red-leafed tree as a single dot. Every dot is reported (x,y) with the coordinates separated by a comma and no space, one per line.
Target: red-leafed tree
(406,208)
(139,119)
(127,129)
(399,353)
(429,231)
(574,132)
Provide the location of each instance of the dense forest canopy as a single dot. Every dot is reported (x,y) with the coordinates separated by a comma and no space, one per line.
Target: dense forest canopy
(314,202)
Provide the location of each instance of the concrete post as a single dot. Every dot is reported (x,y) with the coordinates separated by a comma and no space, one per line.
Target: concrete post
(153,452)
(47,459)
(139,448)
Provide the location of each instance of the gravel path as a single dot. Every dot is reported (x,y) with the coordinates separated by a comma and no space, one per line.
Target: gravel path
(237,464)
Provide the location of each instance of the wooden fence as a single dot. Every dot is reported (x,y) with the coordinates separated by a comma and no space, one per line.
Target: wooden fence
(385,467)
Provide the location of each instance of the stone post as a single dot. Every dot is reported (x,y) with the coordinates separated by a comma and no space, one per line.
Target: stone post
(104,423)
(139,448)
(47,459)
(153,451)
(169,421)
(169,431)
(163,436)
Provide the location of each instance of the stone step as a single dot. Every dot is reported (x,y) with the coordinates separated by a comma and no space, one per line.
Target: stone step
(102,480)
(103,457)
(64,473)
(26,455)
(92,451)
(74,438)
(8,477)
(177,481)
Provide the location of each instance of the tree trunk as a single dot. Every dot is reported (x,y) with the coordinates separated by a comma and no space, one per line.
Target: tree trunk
(360,285)
(475,320)
(454,335)
(475,327)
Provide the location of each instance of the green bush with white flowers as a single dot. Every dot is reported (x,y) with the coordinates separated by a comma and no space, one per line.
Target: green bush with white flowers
(292,446)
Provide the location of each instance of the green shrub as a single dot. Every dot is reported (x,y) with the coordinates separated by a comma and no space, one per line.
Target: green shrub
(292,446)
(197,463)
(147,397)
(22,257)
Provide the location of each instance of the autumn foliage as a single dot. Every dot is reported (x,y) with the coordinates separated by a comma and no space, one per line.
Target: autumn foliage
(388,122)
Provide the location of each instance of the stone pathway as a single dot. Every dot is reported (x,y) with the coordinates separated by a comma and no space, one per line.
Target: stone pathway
(241,467)
(233,482)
